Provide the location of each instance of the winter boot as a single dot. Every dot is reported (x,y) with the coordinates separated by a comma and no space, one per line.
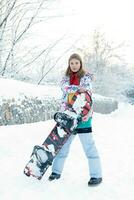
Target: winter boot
(53,176)
(94,181)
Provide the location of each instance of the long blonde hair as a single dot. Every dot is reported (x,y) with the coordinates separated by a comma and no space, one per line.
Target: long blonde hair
(81,71)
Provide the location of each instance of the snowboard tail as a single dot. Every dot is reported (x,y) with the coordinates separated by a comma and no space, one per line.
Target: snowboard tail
(40,160)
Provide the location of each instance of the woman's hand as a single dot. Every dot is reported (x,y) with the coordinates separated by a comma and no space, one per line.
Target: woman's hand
(85,118)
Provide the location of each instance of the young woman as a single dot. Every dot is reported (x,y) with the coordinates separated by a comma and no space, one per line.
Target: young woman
(77,78)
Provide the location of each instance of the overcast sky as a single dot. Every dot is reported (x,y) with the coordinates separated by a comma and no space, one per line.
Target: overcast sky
(81,17)
(114,17)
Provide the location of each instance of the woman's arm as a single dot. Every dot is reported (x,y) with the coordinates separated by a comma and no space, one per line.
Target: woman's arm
(86,83)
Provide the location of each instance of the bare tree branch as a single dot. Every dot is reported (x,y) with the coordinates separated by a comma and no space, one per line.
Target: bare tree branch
(15,40)
(58,59)
(8,13)
(30,22)
(48,49)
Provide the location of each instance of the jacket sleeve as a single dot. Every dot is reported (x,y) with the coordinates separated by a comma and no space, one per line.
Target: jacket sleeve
(87,82)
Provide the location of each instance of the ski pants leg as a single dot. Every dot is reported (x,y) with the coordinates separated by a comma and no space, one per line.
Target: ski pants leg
(60,158)
(91,153)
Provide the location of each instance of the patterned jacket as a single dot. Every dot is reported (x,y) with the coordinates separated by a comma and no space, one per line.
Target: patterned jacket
(66,88)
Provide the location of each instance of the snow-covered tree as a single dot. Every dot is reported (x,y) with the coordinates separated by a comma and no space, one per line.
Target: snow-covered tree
(106,61)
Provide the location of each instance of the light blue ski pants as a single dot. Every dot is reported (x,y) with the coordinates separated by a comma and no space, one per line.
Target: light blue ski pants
(91,153)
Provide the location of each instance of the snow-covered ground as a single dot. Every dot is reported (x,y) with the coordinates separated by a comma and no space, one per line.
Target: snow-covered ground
(114,136)
(13,88)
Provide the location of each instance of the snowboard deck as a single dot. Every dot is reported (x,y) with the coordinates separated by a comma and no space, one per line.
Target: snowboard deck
(42,156)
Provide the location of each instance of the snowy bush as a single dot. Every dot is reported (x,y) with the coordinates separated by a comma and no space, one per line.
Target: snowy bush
(26,110)
(29,109)
(129,93)
(104,105)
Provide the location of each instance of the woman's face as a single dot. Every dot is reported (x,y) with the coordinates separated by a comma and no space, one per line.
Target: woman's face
(74,65)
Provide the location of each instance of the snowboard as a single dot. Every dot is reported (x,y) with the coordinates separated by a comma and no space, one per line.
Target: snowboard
(66,123)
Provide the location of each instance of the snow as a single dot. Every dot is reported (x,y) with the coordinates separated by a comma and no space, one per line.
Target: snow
(113,134)
(15,88)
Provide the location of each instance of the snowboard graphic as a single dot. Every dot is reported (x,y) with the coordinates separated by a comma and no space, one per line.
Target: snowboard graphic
(67,121)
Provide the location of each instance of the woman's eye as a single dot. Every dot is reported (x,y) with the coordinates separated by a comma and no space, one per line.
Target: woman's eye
(76,63)
(71,63)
